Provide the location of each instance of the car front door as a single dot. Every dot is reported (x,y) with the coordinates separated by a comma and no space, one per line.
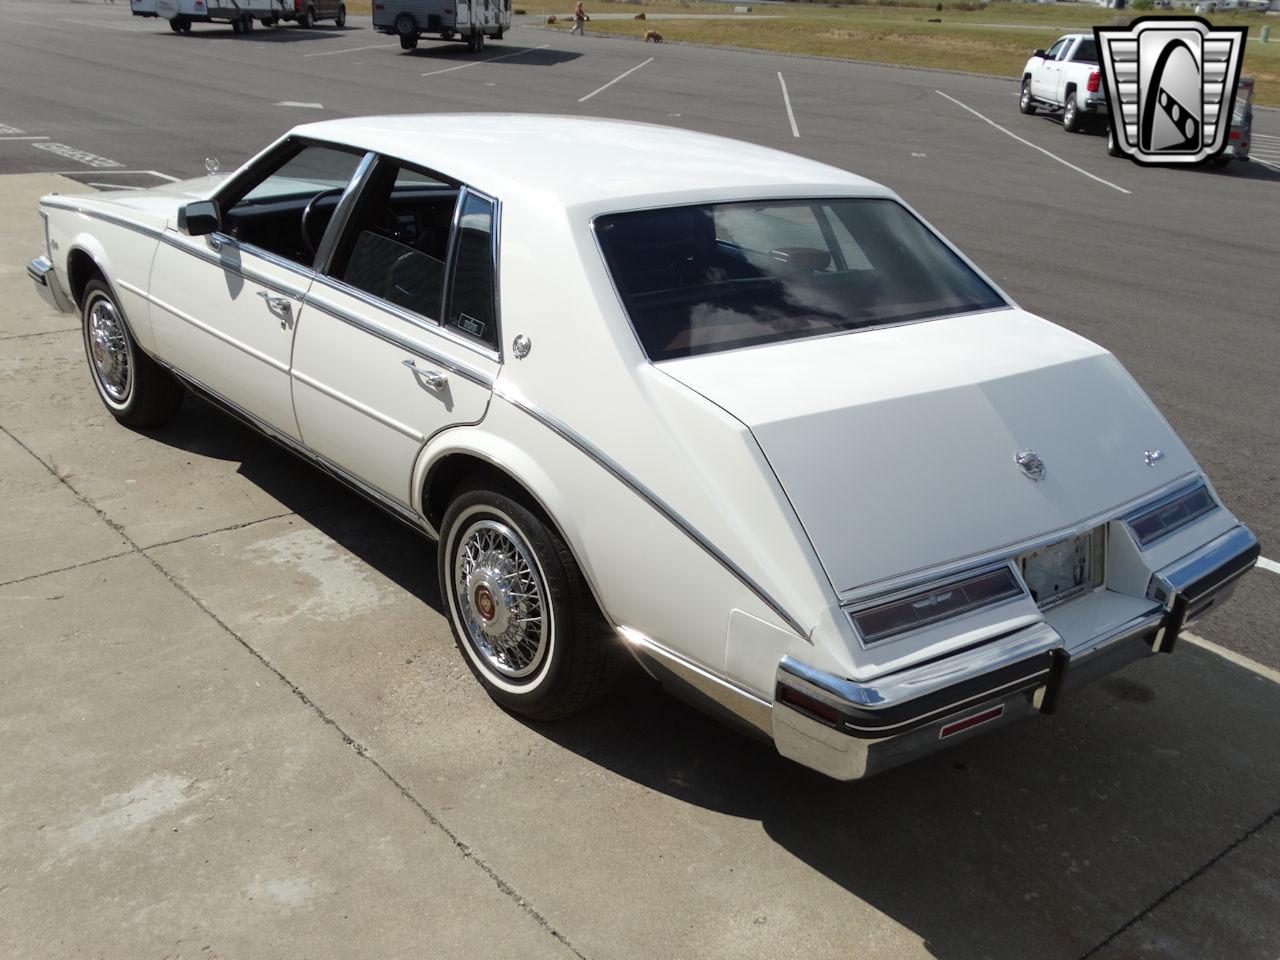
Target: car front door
(1044,82)
(401,339)
(225,307)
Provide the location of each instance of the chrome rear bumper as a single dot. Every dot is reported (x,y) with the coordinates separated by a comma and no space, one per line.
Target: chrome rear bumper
(42,274)
(850,730)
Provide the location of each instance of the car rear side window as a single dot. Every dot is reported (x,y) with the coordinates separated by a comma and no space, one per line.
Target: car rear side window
(397,240)
(701,279)
(472,306)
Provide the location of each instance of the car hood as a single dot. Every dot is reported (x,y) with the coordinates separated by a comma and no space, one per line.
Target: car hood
(896,446)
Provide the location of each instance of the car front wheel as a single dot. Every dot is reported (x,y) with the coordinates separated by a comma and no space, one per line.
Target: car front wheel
(1113,148)
(340,21)
(135,389)
(520,609)
(1025,102)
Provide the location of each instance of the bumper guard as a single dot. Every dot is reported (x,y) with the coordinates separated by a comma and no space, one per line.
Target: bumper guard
(849,729)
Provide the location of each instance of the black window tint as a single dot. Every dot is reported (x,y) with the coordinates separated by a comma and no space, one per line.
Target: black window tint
(397,239)
(471,306)
(270,214)
(708,278)
(1086,52)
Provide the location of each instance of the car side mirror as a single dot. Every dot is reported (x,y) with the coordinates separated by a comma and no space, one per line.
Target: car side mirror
(1037,53)
(198,218)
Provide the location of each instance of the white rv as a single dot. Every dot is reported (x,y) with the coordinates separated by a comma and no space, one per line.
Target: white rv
(241,14)
(447,19)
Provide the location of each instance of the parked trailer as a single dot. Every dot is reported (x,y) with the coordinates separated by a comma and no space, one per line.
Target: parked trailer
(447,19)
(241,14)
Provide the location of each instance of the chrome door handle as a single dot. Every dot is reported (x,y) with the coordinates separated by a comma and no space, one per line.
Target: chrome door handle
(282,307)
(434,379)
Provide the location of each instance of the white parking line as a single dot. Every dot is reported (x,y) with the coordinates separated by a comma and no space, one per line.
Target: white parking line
(476,63)
(1051,156)
(111,173)
(786,99)
(1238,659)
(330,53)
(24,138)
(615,80)
(1271,565)
(68,152)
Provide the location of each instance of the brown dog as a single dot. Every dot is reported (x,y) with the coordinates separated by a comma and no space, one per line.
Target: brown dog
(652,36)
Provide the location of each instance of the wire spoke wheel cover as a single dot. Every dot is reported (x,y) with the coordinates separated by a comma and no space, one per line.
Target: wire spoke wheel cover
(109,350)
(501,598)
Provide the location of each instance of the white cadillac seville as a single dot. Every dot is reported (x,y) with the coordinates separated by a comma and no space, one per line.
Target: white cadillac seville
(743,414)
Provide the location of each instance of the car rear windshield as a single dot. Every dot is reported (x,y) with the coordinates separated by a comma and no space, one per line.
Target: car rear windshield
(702,279)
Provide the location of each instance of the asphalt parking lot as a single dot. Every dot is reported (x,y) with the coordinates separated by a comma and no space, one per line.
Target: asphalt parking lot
(234,721)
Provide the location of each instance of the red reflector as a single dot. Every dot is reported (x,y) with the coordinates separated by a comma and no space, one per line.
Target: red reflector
(1095,81)
(1235,134)
(968,723)
(809,704)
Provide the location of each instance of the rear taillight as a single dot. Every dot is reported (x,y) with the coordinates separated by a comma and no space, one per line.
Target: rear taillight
(1095,80)
(1235,134)
(297,6)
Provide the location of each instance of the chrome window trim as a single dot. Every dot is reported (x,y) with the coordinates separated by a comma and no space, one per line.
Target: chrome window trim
(473,374)
(408,316)
(584,445)
(494,249)
(921,576)
(1166,499)
(342,213)
(959,576)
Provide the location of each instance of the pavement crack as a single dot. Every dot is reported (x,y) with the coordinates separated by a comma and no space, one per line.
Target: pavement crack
(1199,871)
(74,566)
(39,333)
(465,849)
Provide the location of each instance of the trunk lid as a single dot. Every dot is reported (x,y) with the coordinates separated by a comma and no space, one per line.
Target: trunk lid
(896,446)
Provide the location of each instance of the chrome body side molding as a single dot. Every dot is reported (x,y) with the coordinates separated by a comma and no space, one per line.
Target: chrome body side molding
(628,479)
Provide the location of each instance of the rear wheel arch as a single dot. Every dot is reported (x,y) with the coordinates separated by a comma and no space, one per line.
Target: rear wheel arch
(450,473)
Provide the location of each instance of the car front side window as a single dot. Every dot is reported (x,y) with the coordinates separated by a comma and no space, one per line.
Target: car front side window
(287,211)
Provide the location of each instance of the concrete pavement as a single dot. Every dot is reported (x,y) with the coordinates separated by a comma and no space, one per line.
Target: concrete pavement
(234,724)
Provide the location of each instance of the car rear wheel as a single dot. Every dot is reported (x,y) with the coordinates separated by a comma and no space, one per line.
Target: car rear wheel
(340,21)
(1071,114)
(134,388)
(175,25)
(520,610)
(408,43)
(305,18)
(1025,102)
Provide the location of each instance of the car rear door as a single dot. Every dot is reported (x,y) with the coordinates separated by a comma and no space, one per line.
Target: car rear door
(402,333)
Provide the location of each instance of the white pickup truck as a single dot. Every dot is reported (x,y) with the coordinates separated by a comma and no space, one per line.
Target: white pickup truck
(1066,78)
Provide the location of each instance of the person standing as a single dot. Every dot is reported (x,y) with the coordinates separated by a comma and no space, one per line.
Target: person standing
(579,20)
